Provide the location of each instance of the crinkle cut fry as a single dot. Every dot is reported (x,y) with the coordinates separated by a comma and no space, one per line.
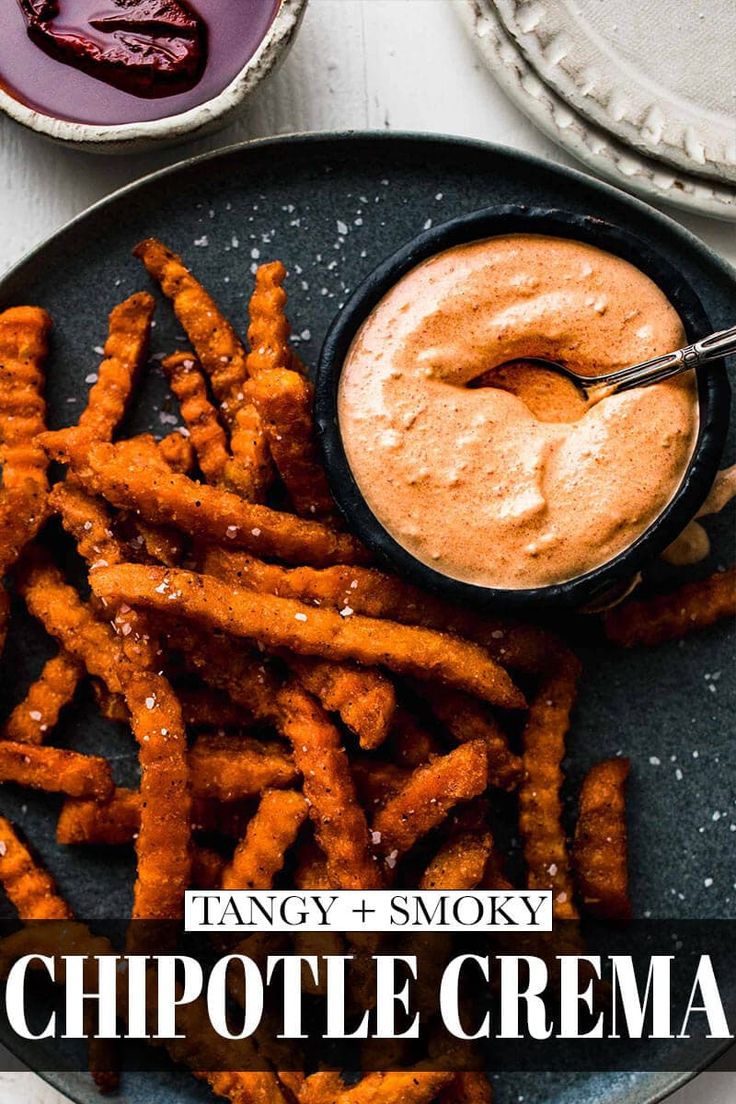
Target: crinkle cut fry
(206,434)
(24,335)
(412,1087)
(63,614)
(209,513)
(373,593)
(600,845)
(460,863)
(364,698)
(228,768)
(430,792)
(260,855)
(116,822)
(268,327)
(35,716)
(339,820)
(55,770)
(468,719)
(125,354)
(284,400)
(540,805)
(223,358)
(283,622)
(31,890)
(674,615)
(162,846)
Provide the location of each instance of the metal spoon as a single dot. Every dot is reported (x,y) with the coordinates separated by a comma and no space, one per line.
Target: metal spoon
(595,388)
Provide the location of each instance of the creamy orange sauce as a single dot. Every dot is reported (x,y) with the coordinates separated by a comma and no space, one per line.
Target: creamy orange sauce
(514,483)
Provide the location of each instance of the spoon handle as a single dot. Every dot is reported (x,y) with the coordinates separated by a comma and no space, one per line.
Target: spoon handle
(664,367)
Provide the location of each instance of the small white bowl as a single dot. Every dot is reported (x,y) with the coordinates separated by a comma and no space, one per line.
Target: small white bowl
(200,120)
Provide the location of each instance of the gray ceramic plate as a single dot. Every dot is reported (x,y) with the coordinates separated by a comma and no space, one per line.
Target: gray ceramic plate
(332,208)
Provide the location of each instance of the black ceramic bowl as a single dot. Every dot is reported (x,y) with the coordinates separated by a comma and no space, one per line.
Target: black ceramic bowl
(594,586)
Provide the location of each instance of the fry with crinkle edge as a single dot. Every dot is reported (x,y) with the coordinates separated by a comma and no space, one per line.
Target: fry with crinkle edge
(284,622)
(162,847)
(268,327)
(600,845)
(674,615)
(116,822)
(412,1087)
(223,358)
(468,719)
(459,863)
(63,614)
(125,352)
(373,593)
(200,417)
(260,855)
(55,770)
(228,768)
(339,821)
(426,798)
(31,890)
(35,716)
(209,513)
(178,452)
(284,401)
(365,699)
(24,335)
(540,805)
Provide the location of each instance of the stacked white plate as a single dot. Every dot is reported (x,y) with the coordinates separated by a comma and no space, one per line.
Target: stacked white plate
(642,91)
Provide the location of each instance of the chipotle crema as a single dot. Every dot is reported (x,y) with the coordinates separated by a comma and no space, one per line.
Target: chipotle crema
(493,471)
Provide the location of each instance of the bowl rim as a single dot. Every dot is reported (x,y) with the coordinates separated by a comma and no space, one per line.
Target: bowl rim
(202,116)
(713,391)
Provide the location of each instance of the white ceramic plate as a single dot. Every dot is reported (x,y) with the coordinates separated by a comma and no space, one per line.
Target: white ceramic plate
(603,152)
(657,75)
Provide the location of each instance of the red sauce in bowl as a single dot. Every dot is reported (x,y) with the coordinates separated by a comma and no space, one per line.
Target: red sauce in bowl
(107,62)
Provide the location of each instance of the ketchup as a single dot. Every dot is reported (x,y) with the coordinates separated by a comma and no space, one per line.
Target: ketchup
(121,61)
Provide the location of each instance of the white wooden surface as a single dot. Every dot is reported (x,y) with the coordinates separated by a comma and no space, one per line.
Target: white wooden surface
(399,64)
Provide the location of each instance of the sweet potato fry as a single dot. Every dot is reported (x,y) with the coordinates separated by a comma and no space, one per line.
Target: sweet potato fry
(674,615)
(209,513)
(321,1088)
(459,863)
(600,846)
(29,887)
(55,770)
(64,616)
(235,668)
(283,622)
(228,768)
(162,846)
(284,401)
(89,521)
(260,855)
(468,719)
(328,786)
(116,822)
(428,795)
(412,1087)
(365,699)
(376,594)
(23,349)
(540,805)
(268,328)
(178,453)
(224,360)
(39,710)
(200,417)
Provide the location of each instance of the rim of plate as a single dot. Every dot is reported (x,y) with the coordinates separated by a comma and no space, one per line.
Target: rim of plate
(201,118)
(599,151)
(671,1081)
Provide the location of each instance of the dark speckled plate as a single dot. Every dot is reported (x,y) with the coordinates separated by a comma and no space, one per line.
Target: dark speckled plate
(332,208)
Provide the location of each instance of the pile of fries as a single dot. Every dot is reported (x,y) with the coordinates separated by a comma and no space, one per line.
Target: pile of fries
(284,694)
